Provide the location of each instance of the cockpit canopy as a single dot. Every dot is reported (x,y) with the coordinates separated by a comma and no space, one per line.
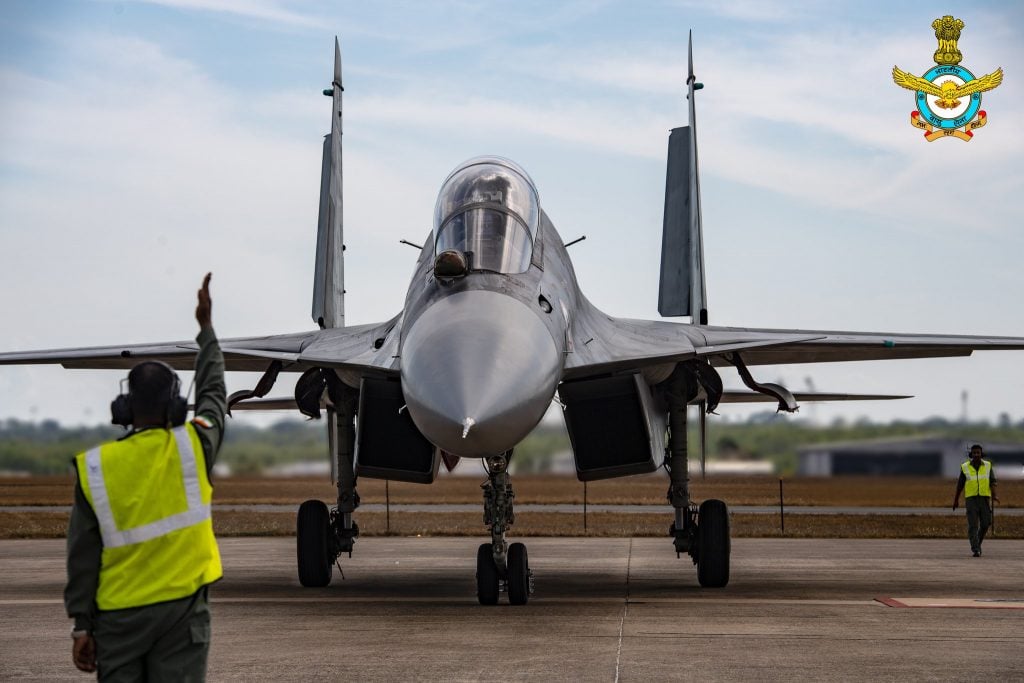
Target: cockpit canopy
(489,208)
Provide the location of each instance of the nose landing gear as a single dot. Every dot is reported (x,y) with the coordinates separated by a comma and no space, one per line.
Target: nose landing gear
(500,566)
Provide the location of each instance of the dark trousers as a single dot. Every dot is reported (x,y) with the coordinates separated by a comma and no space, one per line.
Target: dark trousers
(979,519)
(168,641)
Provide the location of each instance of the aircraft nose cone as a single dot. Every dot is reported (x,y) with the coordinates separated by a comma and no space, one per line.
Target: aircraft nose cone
(478,371)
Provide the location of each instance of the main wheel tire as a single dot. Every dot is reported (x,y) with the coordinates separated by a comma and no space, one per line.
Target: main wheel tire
(518,574)
(312,544)
(486,575)
(713,544)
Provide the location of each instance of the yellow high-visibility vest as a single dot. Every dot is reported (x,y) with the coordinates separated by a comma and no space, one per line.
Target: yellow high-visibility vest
(151,495)
(977,481)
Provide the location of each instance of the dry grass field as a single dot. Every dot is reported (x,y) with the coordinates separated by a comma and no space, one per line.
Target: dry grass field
(608,524)
(855,492)
(841,491)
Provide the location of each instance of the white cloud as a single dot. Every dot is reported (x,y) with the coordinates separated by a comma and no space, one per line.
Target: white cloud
(788,115)
(761,11)
(264,10)
(573,122)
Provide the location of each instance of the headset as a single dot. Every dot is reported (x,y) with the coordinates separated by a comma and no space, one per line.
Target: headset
(177,405)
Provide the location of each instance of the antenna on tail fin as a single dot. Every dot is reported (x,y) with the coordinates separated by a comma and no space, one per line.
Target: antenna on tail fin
(329,274)
(682,290)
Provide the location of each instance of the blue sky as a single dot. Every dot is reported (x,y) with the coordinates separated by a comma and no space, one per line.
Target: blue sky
(144,143)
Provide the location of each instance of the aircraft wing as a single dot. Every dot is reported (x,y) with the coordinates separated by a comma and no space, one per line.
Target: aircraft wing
(602,344)
(834,347)
(360,347)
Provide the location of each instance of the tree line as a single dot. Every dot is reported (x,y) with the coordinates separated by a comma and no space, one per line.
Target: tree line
(47,447)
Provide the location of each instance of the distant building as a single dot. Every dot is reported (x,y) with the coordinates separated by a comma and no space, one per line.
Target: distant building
(913,456)
(563,463)
(301,468)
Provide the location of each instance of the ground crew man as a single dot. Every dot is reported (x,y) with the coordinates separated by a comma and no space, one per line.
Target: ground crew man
(141,550)
(978,483)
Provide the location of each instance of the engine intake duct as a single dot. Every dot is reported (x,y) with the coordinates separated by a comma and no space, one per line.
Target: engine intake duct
(612,425)
(388,444)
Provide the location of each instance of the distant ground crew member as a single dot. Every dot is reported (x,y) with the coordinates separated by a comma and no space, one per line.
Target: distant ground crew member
(978,483)
(141,550)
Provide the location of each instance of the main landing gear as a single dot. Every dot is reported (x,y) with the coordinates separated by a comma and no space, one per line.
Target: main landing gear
(498,564)
(704,536)
(316,553)
(322,535)
(320,539)
(701,532)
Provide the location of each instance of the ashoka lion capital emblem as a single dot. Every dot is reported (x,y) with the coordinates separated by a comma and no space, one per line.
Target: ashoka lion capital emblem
(948,96)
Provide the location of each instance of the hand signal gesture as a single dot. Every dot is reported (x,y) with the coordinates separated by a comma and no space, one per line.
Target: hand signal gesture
(204,309)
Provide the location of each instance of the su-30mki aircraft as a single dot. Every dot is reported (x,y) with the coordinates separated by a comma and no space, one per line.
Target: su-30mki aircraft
(494,328)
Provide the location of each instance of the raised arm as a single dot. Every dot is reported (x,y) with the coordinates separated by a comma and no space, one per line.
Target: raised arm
(211,393)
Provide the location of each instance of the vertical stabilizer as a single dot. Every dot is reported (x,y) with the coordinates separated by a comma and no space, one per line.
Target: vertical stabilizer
(682,290)
(329,272)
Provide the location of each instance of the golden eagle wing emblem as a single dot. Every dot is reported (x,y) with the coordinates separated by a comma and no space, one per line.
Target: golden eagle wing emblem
(987,82)
(912,82)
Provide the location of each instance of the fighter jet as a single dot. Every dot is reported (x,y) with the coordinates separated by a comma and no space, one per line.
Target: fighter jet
(493,330)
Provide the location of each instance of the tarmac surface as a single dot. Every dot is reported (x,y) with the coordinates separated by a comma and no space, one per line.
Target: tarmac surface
(574,508)
(604,610)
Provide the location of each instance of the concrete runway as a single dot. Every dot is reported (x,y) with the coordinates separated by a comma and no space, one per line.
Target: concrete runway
(604,610)
(576,509)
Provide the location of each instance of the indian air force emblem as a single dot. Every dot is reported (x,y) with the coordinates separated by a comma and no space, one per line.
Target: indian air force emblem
(948,96)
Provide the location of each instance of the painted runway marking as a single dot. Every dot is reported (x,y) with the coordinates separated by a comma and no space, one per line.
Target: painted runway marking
(960,603)
(625,611)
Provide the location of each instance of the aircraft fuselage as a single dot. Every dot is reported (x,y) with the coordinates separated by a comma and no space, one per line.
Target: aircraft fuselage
(482,355)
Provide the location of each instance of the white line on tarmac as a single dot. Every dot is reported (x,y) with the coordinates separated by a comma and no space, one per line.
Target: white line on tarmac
(625,611)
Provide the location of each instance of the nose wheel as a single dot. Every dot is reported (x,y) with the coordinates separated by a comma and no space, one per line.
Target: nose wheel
(519,575)
(518,580)
(487,580)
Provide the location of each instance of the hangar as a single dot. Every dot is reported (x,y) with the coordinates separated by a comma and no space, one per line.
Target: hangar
(913,456)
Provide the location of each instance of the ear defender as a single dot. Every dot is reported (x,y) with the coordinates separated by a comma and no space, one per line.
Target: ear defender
(121,411)
(177,407)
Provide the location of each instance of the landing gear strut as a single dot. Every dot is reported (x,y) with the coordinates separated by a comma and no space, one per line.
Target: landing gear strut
(701,532)
(322,535)
(498,564)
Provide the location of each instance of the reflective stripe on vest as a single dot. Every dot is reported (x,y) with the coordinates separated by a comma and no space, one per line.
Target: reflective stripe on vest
(197,511)
(976,482)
